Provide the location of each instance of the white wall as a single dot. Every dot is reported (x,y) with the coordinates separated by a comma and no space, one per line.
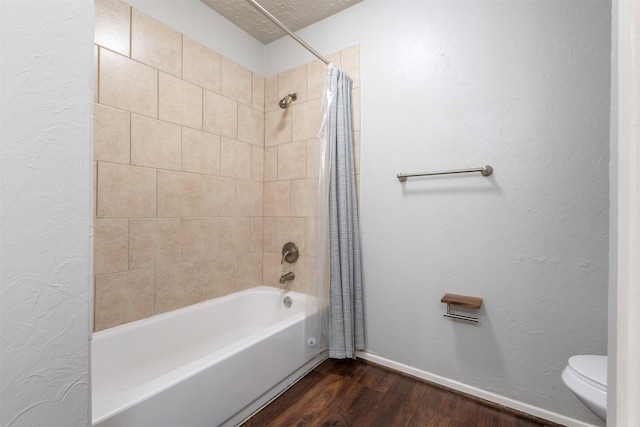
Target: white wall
(524,87)
(45,204)
(198,21)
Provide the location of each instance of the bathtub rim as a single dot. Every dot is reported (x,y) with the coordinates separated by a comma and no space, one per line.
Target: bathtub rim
(192,307)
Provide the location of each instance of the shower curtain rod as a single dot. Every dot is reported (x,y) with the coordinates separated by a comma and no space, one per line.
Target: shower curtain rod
(276,21)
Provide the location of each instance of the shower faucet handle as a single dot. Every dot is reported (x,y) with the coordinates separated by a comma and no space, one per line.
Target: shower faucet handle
(290,253)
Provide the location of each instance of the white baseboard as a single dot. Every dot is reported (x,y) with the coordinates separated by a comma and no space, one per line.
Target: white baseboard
(474,391)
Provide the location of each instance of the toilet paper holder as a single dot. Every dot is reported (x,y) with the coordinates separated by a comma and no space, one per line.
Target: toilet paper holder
(463,301)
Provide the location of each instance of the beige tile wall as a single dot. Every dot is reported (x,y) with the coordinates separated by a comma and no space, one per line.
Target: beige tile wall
(290,187)
(200,176)
(179,152)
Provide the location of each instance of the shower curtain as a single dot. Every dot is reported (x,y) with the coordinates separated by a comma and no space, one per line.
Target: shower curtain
(338,231)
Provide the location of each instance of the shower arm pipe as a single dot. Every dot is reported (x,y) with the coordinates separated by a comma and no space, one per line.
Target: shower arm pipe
(284,28)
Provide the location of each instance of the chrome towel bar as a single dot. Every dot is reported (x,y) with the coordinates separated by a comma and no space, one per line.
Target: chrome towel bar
(485,171)
(460,316)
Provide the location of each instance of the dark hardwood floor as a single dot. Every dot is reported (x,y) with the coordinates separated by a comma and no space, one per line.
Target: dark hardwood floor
(358,393)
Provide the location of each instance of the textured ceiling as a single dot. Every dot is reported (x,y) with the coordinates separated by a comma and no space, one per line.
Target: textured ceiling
(295,14)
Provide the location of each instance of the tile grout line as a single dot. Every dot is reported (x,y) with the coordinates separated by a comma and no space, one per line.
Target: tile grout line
(97,83)
(130,32)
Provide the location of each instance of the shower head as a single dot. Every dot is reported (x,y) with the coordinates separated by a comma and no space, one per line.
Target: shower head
(286,101)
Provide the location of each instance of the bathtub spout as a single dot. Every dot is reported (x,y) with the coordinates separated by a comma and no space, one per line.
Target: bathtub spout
(286,277)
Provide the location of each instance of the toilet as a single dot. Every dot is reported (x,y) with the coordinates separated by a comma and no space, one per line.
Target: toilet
(586,377)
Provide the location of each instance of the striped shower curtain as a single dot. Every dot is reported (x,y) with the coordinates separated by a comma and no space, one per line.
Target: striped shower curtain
(346,322)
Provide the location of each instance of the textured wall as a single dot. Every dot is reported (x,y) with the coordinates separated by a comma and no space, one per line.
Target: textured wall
(45,199)
(523,86)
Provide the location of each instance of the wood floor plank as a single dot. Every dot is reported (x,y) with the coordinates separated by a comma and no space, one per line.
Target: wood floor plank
(331,411)
(347,393)
(373,407)
(314,405)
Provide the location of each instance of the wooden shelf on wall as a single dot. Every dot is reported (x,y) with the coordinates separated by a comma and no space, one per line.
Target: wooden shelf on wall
(462,300)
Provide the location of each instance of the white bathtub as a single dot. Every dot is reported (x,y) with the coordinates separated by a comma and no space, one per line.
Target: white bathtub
(210,364)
